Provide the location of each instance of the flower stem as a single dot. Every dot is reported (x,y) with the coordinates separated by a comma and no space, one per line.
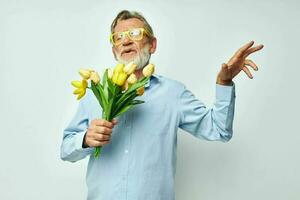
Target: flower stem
(98,149)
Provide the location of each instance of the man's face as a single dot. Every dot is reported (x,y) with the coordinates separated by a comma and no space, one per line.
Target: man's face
(132,50)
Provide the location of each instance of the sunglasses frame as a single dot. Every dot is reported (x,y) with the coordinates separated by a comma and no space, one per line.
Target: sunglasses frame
(144,31)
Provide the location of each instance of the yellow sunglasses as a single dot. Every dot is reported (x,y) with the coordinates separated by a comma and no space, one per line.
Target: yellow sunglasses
(133,34)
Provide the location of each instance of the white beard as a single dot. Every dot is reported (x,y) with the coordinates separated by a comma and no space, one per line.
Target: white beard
(141,60)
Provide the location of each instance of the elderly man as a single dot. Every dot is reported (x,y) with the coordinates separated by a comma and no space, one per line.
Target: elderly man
(138,157)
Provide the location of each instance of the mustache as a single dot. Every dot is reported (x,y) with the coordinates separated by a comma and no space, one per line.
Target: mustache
(141,59)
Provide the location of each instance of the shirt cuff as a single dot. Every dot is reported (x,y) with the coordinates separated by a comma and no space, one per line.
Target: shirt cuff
(225,92)
(79,140)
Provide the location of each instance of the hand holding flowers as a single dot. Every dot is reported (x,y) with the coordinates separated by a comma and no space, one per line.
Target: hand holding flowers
(116,93)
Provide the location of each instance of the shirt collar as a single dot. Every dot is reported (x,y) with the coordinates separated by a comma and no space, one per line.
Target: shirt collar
(153,76)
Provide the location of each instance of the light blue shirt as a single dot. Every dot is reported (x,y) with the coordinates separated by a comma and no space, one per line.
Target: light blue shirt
(139,162)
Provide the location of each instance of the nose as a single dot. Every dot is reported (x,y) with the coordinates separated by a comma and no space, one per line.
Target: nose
(127,41)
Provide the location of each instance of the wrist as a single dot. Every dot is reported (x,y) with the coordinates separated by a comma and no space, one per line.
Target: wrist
(84,144)
(224,82)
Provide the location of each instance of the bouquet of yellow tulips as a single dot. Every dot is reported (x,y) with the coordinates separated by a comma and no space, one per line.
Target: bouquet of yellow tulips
(117,92)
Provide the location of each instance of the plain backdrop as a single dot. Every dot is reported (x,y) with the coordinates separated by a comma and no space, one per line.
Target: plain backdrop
(44,43)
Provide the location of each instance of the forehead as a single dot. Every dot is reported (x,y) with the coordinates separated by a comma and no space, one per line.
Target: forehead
(126,24)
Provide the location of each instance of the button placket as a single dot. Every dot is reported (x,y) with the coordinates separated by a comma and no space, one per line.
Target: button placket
(128,125)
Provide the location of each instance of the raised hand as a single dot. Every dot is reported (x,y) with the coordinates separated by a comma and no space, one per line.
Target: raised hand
(237,63)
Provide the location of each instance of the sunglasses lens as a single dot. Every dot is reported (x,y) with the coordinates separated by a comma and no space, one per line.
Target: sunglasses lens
(133,34)
(136,34)
(118,37)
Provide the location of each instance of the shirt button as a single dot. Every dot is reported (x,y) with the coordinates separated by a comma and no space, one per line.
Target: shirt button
(126,151)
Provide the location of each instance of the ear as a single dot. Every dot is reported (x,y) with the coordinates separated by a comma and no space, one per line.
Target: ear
(153,44)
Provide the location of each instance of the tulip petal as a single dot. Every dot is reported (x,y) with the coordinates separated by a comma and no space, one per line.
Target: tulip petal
(140,91)
(115,77)
(110,73)
(119,67)
(121,79)
(78,91)
(132,79)
(77,84)
(130,68)
(84,83)
(81,95)
(148,70)
(84,73)
(95,77)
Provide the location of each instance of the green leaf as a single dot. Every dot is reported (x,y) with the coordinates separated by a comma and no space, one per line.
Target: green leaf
(96,93)
(124,102)
(135,102)
(102,96)
(131,91)
(129,95)
(104,81)
(109,109)
(124,110)
(138,84)
(105,85)
(111,86)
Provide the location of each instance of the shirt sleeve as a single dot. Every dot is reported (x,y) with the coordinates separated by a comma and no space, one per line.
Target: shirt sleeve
(214,124)
(73,134)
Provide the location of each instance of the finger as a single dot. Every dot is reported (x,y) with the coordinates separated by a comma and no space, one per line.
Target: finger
(114,121)
(224,66)
(251,64)
(243,49)
(102,130)
(253,49)
(101,137)
(246,70)
(102,122)
(95,143)
(104,143)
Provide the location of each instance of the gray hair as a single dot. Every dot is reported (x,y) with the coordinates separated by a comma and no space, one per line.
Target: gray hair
(125,14)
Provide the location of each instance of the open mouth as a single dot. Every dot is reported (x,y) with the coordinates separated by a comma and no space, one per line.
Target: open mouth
(128,52)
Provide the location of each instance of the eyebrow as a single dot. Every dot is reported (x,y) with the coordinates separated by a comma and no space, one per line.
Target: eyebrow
(127,29)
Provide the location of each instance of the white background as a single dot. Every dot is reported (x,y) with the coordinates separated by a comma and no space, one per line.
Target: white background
(44,43)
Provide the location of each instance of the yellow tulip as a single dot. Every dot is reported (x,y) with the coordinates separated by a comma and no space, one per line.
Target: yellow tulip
(122,78)
(140,91)
(115,77)
(78,91)
(77,84)
(85,73)
(148,70)
(119,68)
(132,79)
(81,95)
(81,88)
(95,77)
(110,73)
(129,68)
(124,86)
(119,78)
